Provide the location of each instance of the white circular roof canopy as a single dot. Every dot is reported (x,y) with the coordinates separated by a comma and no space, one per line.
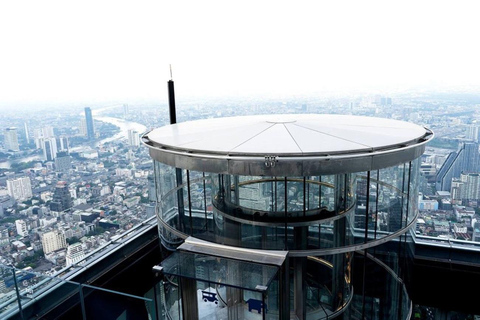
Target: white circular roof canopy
(294,144)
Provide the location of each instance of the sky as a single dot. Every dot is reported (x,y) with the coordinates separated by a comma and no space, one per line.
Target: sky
(55,51)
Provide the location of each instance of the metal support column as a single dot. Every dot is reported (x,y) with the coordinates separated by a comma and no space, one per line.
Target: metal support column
(189,298)
(299,273)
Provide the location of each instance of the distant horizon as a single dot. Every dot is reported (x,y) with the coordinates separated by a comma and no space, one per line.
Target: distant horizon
(191,98)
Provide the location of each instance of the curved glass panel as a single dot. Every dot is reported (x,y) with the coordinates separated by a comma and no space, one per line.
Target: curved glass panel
(270,212)
(317,207)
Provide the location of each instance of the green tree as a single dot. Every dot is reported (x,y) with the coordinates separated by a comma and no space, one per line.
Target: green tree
(97,231)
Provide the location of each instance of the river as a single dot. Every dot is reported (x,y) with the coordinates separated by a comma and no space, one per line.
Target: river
(123,125)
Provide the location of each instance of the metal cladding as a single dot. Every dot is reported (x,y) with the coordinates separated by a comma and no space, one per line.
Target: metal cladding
(294,145)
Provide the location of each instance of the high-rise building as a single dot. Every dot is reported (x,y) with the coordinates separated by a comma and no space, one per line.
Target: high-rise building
(466,159)
(467,187)
(74,254)
(62,199)
(471,157)
(20,189)
(38,138)
(473,133)
(63,162)
(261,216)
(21,226)
(83,128)
(62,144)
(152,195)
(133,138)
(6,201)
(11,139)
(49,146)
(53,240)
(456,192)
(89,124)
(27,135)
(47,132)
(448,171)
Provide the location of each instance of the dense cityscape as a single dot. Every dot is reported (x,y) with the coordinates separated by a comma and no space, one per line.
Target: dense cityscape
(359,199)
(74,179)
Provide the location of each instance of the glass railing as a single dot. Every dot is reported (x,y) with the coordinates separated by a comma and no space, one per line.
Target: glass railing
(25,295)
(107,249)
(385,296)
(447,250)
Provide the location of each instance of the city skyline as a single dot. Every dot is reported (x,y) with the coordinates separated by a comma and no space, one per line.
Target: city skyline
(108,186)
(79,181)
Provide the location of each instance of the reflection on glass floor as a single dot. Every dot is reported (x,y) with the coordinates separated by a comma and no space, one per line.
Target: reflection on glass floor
(219,287)
(212,305)
(218,309)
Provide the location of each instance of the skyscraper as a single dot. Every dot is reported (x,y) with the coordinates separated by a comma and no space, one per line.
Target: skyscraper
(89,124)
(11,139)
(466,159)
(49,149)
(467,187)
(47,132)
(471,157)
(62,144)
(82,127)
(133,138)
(473,132)
(38,138)
(27,136)
(261,216)
(62,199)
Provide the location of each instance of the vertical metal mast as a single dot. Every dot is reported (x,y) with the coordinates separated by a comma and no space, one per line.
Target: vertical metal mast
(171,99)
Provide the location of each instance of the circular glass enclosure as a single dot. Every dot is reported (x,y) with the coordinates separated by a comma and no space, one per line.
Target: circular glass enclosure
(252,181)
(317,186)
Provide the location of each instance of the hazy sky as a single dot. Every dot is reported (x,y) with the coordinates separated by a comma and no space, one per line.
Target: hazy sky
(114,50)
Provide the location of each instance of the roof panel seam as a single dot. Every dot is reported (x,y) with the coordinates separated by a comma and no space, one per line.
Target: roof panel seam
(331,135)
(251,138)
(292,138)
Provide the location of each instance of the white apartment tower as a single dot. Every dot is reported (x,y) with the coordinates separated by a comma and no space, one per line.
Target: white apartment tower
(47,132)
(83,127)
(53,240)
(471,186)
(27,136)
(133,138)
(20,189)
(11,139)
(62,144)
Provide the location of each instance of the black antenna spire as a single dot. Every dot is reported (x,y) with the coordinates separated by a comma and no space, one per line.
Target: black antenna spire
(171,99)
